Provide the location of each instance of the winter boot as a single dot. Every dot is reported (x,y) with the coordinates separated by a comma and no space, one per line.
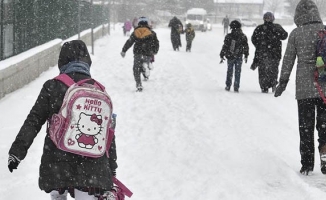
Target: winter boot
(236,90)
(227,88)
(139,88)
(323,159)
(264,90)
(306,170)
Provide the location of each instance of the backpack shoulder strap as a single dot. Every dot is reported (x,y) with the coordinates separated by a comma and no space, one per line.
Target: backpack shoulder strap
(69,81)
(65,79)
(96,83)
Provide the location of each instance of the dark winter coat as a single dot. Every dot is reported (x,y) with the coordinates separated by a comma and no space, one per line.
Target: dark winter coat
(60,169)
(145,40)
(190,34)
(226,22)
(302,45)
(232,50)
(176,29)
(267,40)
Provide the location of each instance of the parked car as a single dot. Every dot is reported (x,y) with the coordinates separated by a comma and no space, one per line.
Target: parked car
(246,22)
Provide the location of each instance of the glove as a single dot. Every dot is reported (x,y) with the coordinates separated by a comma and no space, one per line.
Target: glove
(222,60)
(246,59)
(320,62)
(123,54)
(114,172)
(280,88)
(13,162)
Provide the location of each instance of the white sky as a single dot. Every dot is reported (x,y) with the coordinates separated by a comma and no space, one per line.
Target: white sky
(239,1)
(184,137)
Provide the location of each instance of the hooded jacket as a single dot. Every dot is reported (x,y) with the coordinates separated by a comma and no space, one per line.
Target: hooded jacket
(302,45)
(60,169)
(190,33)
(240,48)
(145,40)
(267,40)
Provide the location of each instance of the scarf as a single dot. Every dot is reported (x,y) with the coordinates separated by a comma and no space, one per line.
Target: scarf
(75,66)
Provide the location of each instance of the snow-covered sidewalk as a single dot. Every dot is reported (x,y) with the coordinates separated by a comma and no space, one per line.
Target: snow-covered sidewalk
(184,137)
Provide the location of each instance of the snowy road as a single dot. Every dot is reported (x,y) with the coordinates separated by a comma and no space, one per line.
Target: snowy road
(184,137)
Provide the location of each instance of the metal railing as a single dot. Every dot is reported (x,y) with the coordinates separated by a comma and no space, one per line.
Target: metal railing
(29,23)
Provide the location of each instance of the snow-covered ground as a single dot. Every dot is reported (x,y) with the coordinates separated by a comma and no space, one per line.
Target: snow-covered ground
(184,137)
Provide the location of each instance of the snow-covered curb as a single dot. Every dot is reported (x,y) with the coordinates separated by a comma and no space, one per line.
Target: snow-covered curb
(17,71)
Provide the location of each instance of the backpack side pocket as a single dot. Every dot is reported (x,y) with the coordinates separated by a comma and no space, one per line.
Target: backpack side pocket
(56,125)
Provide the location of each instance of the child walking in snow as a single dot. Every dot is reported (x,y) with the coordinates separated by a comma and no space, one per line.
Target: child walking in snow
(234,47)
(146,45)
(190,35)
(60,171)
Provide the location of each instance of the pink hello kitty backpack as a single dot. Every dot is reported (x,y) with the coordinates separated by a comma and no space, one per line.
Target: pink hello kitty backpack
(83,124)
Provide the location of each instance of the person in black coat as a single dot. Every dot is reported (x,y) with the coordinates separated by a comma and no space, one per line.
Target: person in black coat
(234,48)
(267,40)
(176,30)
(146,46)
(61,171)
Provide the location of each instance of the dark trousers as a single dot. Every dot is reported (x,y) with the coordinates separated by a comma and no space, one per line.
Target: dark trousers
(189,44)
(268,72)
(138,67)
(226,30)
(307,116)
(176,40)
(236,64)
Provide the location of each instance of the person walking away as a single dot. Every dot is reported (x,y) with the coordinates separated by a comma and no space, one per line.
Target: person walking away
(234,47)
(190,35)
(226,23)
(267,41)
(60,171)
(176,30)
(146,46)
(302,45)
(135,22)
(127,27)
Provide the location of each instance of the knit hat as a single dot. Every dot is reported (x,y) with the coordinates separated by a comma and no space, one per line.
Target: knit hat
(235,24)
(306,12)
(269,17)
(74,50)
(142,21)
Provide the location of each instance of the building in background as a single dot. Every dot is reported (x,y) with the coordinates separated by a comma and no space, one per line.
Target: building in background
(239,8)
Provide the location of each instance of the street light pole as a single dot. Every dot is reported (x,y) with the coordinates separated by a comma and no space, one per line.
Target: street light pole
(109,18)
(79,19)
(92,26)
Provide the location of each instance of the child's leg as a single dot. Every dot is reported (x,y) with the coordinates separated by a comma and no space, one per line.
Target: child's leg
(138,68)
(79,195)
(56,196)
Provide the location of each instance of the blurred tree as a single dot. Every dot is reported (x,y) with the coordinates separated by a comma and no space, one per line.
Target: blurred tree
(273,5)
(292,4)
(321,4)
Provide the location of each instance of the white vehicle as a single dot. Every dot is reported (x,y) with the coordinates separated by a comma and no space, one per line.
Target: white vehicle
(198,18)
(246,22)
